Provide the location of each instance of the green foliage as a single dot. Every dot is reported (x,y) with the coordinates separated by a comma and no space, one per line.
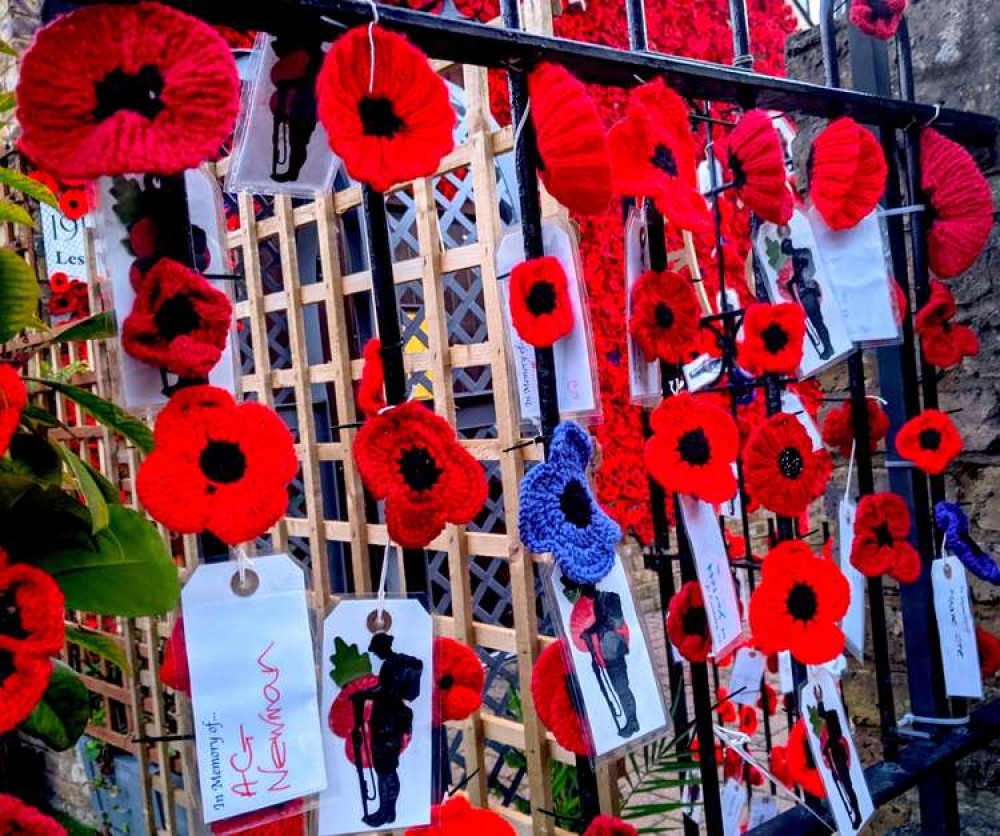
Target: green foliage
(24,184)
(18,296)
(62,715)
(11,212)
(657,776)
(775,257)
(92,496)
(36,457)
(100,644)
(100,326)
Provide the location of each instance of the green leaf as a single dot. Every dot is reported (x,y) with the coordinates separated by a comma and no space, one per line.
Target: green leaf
(18,295)
(7,49)
(61,716)
(15,214)
(93,497)
(34,456)
(32,188)
(100,644)
(97,327)
(105,412)
(110,493)
(8,101)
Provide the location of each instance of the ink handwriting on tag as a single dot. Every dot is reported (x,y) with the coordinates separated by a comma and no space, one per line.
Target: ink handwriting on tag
(956,628)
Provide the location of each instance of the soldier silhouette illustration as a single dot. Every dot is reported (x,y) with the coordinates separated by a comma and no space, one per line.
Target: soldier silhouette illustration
(389,726)
(605,642)
(807,292)
(293,105)
(836,754)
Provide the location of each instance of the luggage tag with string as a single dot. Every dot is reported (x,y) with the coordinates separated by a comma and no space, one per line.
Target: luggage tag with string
(956,628)
(853,623)
(377,673)
(253,685)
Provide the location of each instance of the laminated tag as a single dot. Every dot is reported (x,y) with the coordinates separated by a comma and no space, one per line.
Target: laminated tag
(703,371)
(762,808)
(377,691)
(785,677)
(853,623)
(834,753)
(716,581)
(956,628)
(792,404)
(733,799)
(253,686)
(644,376)
(748,671)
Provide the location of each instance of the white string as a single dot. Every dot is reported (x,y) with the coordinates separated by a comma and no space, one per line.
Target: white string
(850,470)
(371,50)
(910,719)
(882,401)
(382,581)
(520,125)
(243,563)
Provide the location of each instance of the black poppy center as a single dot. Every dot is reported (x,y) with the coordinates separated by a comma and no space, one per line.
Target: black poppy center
(695,622)
(664,315)
(446,681)
(7,666)
(223,461)
(418,469)
(883,537)
(176,317)
(663,158)
(378,117)
(775,338)
(880,10)
(801,602)
(541,299)
(138,92)
(791,463)
(739,175)
(694,447)
(930,439)
(574,502)
(10,616)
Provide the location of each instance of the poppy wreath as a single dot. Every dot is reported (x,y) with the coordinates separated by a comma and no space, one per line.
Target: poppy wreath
(218,466)
(772,338)
(952,521)
(457,817)
(960,205)
(878,18)
(943,343)
(757,167)
(930,441)
(799,761)
(559,513)
(178,322)
(880,545)
(692,449)
(391,126)
(781,469)
(838,426)
(665,318)
(111,89)
(458,680)
(13,400)
(798,604)
(988,646)
(847,172)
(572,147)
(605,825)
(553,698)
(652,155)
(540,307)
(20,818)
(31,610)
(687,623)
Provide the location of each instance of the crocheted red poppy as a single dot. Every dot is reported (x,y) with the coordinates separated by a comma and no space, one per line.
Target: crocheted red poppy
(881,526)
(16,817)
(800,764)
(838,426)
(797,607)
(174,671)
(943,343)
(665,316)
(457,817)
(573,150)
(370,396)
(112,89)
(779,766)
(768,699)
(960,213)
(726,709)
(757,167)
(692,449)
(395,129)
(23,679)
(988,646)
(878,18)
(687,624)
(458,680)
(930,441)
(179,322)
(749,719)
(847,172)
(31,610)
(781,469)
(13,400)
(410,457)
(217,466)
(772,338)
(285,819)
(605,825)
(540,308)
(551,694)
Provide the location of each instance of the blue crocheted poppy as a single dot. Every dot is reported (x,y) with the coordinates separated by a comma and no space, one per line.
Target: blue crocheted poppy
(951,520)
(559,513)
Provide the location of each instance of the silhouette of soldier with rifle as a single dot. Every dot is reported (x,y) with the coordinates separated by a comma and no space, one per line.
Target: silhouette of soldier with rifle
(836,754)
(807,292)
(605,642)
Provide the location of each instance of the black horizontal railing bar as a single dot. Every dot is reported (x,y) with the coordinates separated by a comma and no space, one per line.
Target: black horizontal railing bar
(888,780)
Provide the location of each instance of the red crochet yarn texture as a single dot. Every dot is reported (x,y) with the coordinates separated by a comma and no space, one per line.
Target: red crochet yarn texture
(459,678)
(665,318)
(929,440)
(457,817)
(395,129)
(757,166)
(33,610)
(943,343)
(687,623)
(800,764)
(23,680)
(13,400)
(554,705)
(540,307)
(847,172)
(16,817)
(370,397)
(880,545)
(878,18)
(604,825)
(174,671)
(838,426)
(111,89)
(772,338)
(285,819)
(217,466)
(988,646)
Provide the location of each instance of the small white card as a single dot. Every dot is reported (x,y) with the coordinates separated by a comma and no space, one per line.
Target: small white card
(253,687)
(712,566)
(703,371)
(956,628)
(734,798)
(785,676)
(762,808)
(834,753)
(644,376)
(748,671)
(853,623)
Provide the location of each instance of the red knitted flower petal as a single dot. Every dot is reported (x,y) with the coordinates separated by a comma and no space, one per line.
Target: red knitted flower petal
(772,338)
(13,400)
(540,307)
(457,817)
(687,624)
(838,427)
(459,678)
(34,610)
(552,700)
(930,441)
(880,545)
(174,671)
(847,173)
(989,652)
(16,817)
(943,343)
(878,18)
(757,166)
(605,825)
(23,679)
(665,316)
(799,760)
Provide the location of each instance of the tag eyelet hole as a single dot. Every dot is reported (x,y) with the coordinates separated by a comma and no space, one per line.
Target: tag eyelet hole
(249,585)
(375,625)
(947,571)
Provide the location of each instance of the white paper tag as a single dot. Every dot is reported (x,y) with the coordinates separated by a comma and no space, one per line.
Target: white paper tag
(748,670)
(835,667)
(703,371)
(253,687)
(834,753)
(762,808)
(956,628)
(792,404)
(785,677)
(644,377)
(380,770)
(853,623)
(712,566)
(733,799)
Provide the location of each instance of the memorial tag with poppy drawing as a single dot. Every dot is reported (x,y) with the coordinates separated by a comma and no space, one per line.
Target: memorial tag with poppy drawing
(956,628)
(253,685)
(377,672)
